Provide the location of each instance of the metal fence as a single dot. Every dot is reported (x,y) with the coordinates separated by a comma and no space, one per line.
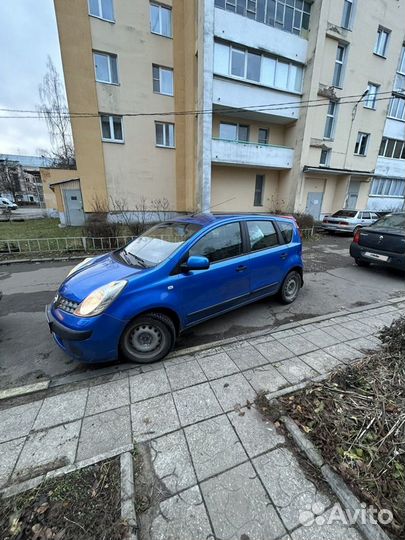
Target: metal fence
(63,245)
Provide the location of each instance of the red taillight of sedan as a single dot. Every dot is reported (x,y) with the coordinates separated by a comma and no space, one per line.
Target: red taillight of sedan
(356,237)
(343,223)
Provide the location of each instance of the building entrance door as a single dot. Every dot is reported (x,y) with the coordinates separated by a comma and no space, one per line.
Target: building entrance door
(74,207)
(314,204)
(352,195)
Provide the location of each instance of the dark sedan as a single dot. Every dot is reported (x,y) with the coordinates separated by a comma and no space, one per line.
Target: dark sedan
(382,243)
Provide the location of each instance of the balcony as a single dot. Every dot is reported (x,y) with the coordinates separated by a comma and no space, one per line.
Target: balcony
(393,168)
(247,154)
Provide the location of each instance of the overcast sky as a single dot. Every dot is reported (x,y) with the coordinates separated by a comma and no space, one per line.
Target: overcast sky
(28,34)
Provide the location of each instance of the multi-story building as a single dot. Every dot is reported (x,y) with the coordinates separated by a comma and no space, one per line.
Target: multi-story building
(20,178)
(235,105)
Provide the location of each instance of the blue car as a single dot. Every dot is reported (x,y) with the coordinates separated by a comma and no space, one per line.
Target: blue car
(135,301)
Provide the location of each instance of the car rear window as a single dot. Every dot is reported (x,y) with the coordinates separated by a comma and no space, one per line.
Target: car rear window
(345,213)
(396,221)
(287,230)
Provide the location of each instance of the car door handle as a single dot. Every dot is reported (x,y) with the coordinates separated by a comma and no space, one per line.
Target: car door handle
(283,256)
(241,268)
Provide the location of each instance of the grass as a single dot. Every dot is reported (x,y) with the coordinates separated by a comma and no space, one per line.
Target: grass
(36,228)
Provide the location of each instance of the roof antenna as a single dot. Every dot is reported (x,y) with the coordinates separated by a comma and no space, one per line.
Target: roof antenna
(211,207)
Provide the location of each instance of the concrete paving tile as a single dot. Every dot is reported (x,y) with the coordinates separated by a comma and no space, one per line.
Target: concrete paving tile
(217,365)
(9,452)
(232,391)
(363,344)
(172,461)
(185,374)
(154,417)
(239,507)
(266,378)
(182,517)
(256,434)
(245,355)
(274,351)
(196,403)
(297,344)
(47,450)
(61,408)
(321,338)
(324,527)
(341,330)
(104,432)
(17,421)
(357,327)
(214,446)
(287,485)
(321,361)
(336,333)
(105,397)
(294,370)
(343,352)
(283,334)
(148,385)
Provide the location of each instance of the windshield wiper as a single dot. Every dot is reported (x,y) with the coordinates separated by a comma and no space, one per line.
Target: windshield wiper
(139,260)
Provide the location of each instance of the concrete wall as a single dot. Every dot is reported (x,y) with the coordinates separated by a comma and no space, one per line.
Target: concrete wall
(52,176)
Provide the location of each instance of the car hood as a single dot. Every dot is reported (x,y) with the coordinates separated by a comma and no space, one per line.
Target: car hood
(99,272)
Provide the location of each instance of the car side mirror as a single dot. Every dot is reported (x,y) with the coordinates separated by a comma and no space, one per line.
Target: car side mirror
(196,262)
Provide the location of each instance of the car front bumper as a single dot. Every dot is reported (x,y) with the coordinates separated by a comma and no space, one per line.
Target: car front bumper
(370,255)
(88,340)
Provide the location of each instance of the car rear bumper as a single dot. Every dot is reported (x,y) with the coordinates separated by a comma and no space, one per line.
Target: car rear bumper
(370,255)
(338,228)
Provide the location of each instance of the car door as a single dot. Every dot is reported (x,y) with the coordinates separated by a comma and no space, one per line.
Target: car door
(222,286)
(268,258)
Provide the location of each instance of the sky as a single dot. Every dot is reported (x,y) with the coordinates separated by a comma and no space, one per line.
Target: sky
(28,34)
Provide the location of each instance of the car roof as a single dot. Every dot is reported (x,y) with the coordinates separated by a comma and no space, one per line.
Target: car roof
(205,219)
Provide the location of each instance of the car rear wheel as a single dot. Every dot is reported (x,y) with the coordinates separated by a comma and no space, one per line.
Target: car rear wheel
(290,287)
(360,262)
(148,338)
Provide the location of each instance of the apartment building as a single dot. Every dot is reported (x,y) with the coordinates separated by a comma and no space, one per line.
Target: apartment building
(235,105)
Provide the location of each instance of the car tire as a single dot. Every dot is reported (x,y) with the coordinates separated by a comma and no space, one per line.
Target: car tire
(360,262)
(290,287)
(148,338)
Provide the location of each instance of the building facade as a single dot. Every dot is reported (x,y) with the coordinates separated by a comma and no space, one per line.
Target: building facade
(236,105)
(20,179)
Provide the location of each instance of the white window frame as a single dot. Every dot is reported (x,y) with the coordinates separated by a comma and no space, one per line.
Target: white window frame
(161,7)
(342,63)
(377,47)
(162,68)
(331,136)
(101,11)
(349,25)
(109,57)
(164,135)
(386,187)
(326,162)
(399,84)
(237,126)
(370,99)
(395,106)
(112,131)
(360,136)
(397,142)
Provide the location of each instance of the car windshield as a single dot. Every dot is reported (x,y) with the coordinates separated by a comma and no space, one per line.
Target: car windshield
(158,243)
(396,221)
(345,213)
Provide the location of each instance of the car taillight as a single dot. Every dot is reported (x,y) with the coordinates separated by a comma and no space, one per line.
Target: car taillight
(343,223)
(356,237)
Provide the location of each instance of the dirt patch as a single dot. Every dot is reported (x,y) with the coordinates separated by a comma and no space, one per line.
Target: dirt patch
(357,419)
(83,505)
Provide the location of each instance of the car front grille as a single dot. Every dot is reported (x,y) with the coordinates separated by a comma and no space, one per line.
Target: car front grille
(65,305)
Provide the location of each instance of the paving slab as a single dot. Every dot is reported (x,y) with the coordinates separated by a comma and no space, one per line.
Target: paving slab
(322,527)
(105,397)
(217,365)
(321,338)
(233,391)
(245,355)
(18,421)
(184,375)
(362,344)
(321,361)
(61,408)
(196,403)
(295,370)
(154,417)
(239,507)
(343,352)
(214,446)
(266,378)
(9,452)
(104,432)
(256,434)
(147,385)
(273,350)
(297,344)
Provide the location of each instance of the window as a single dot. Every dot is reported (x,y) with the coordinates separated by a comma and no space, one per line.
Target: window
(221,243)
(388,187)
(103,9)
(347,14)
(161,20)
(162,80)
(287,231)
(233,132)
(330,120)
(111,128)
(365,215)
(382,41)
(399,85)
(245,64)
(325,157)
(339,62)
(360,148)
(370,99)
(263,136)
(392,148)
(164,134)
(262,235)
(105,66)
(397,108)
(259,186)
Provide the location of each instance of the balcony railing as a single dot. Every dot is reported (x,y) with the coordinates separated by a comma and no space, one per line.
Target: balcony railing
(251,154)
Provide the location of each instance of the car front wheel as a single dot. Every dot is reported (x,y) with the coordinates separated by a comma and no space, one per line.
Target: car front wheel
(290,287)
(148,338)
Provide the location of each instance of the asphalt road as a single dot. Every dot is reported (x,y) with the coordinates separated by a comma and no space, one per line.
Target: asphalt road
(332,282)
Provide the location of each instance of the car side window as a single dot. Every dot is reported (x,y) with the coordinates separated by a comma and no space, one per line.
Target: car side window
(287,230)
(221,243)
(366,215)
(262,234)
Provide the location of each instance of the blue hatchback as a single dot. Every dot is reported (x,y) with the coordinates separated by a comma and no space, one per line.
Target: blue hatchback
(136,300)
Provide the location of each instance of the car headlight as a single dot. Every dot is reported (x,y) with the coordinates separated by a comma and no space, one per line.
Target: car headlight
(80,265)
(97,301)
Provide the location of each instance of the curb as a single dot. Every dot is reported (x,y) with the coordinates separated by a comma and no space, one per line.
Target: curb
(24,390)
(128,495)
(372,531)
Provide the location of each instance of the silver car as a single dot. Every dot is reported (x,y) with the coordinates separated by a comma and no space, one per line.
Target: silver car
(348,220)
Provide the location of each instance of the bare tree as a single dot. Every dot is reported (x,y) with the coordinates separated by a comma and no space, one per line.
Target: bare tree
(9,182)
(54,110)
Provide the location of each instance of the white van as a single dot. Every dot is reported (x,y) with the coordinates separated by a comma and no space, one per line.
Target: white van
(6,204)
